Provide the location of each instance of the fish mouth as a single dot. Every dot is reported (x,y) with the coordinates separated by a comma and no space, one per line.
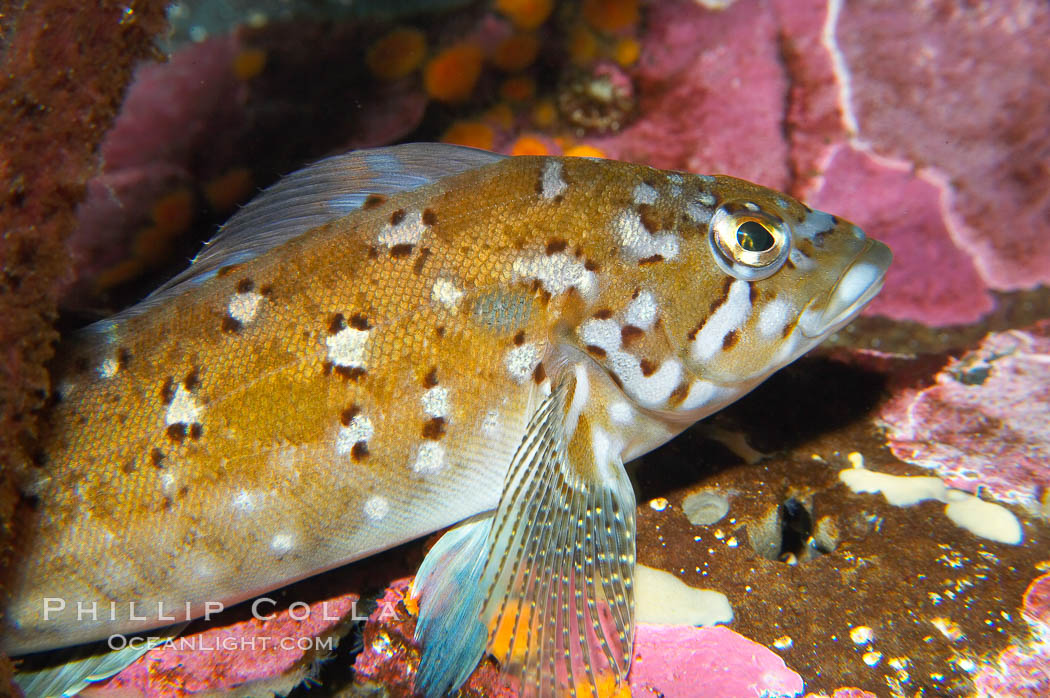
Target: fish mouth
(861,281)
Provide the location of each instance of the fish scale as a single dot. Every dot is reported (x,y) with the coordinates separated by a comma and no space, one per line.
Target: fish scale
(393,341)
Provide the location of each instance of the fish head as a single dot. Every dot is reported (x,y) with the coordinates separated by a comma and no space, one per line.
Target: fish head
(773,279)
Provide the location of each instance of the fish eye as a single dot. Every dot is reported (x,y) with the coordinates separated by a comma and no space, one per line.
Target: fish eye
(749,243)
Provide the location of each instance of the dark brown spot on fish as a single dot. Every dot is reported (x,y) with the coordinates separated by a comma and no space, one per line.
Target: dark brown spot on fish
(596,350)
(231,325)
(434,429)
(359,322)
(429,217)
(727,283)
(351,373)
(691,336)
(649,217)
(556,245)
(424,253)
(752,293)
(729,341)
(603,314)
(196,430)
(431,379)
(167,391)
(629,333)
(578,252)
(678,394)
(128,467)
(177,432)
(347,415)
(539,374)
(156,457)
(245,286)
(373,252)
(373,200)
(789,264)
(590,265)
(192,380)
(167,503)
(123,358)
(653,259)
(326,368)
(336,324)
(439,330)
(266,290)
(519,338)
(648,367)
(359,451)
(402,250)
(223,271)
(397,217)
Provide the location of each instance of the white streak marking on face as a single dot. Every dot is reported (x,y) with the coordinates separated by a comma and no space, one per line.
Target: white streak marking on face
(558,273)
(347,347)
(108,368)
(642,311)
(359,429)
(376,508)
(430,458)
(698,214)
(445,293)
(815,222)
(282,543)
(638,243)
(621,413)
(705,394)
(774,318)
(603,333)
(645,194)
(243,306)
(801,261)
(552,184)
(649,391)
(436,403)
(183,408)
(730,316)
(521,361)
(408,232)
(706,198)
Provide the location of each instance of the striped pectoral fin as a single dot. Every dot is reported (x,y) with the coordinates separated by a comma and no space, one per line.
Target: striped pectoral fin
(547,577)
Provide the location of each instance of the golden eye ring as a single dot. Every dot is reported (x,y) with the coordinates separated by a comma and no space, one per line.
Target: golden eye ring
(749,242)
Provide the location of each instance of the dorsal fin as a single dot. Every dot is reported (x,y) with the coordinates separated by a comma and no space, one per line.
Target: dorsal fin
(310,197)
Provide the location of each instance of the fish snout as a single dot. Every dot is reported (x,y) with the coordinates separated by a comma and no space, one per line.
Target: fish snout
(859,283)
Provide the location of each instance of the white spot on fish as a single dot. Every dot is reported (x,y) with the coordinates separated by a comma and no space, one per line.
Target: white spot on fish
(446,293)
(409,231)
(801,261)
(730,316)
(108,368)
(699,214)
(706,198)
(360,428)
(706,394)
(243,306)
(638,243)
(581,394)
(621,413)
(552,184)
(435,402)
(649,391)
(376,508)
(244,500)
(282,543)
(347,347)
(603,333)
(642,311)
(774,318)
(815,222)
(645,194)
(183,408)
(521,361)
(558,273)
(430,458)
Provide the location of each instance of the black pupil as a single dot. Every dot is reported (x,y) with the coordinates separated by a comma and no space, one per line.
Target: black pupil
(753,237)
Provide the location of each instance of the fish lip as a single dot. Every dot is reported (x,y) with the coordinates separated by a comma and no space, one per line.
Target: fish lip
(859,283)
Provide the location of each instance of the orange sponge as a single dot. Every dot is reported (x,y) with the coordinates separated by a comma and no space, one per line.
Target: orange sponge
(397,54)
(611,15)
(526,14)
(450,76)
(472,133)
(516,52)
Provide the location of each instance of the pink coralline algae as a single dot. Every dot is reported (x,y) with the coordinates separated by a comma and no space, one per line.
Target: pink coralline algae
(925,123)
(675,660)
(271,651)
(1023,670)
(984,421)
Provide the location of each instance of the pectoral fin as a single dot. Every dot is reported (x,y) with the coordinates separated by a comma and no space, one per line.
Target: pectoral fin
(556,595)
